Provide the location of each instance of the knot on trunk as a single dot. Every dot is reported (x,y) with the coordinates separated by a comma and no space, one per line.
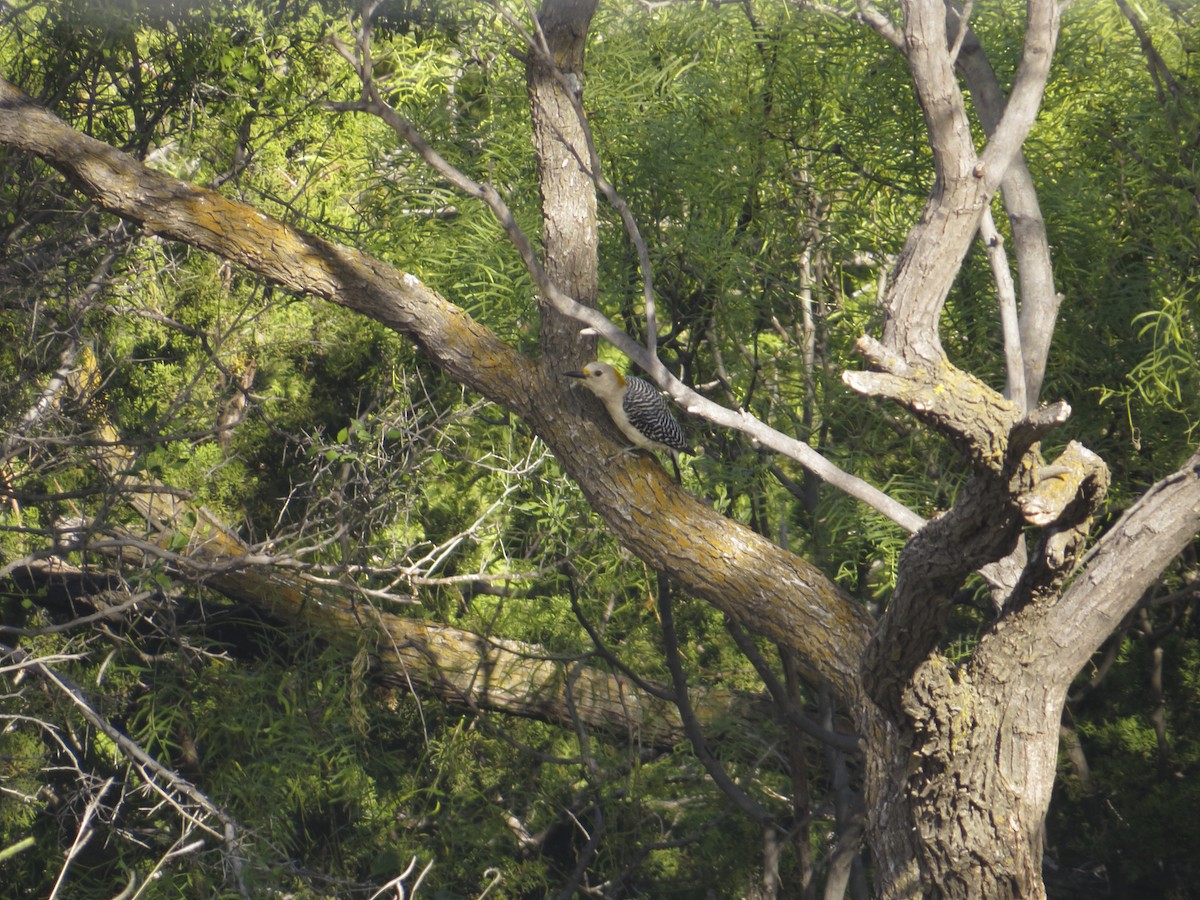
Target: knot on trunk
(1068,491)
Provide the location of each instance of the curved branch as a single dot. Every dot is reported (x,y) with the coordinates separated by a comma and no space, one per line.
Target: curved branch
(303,262)
(691,725)
(1039,300)
(964,182)
(1035,271)
(1041,35)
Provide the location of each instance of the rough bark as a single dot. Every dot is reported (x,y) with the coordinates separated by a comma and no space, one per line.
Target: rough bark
(461,667)
(571,241)
(960,758)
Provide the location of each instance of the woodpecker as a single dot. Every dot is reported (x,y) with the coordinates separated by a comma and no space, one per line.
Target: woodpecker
(637,408)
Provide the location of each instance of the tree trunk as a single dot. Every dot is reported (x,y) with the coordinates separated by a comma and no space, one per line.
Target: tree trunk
(959,772)
(962,788)
(570,237)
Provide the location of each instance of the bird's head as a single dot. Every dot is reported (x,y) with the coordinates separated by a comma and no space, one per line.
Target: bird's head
(600,378)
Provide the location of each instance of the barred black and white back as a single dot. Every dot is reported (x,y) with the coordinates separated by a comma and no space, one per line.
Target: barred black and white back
(652,421)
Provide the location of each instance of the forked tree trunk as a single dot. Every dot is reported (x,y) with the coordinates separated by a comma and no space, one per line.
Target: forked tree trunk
(960,771)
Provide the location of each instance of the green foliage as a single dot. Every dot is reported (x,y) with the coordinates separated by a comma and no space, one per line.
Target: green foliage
(1125,238)
(1125,808)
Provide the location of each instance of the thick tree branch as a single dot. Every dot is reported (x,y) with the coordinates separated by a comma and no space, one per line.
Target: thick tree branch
(776,592)
(1039,301)
(175,209)
(461,667)
(1025,99)
(963,182)
(1118,570)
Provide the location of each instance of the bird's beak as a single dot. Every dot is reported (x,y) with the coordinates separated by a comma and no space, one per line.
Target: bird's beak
(574,374)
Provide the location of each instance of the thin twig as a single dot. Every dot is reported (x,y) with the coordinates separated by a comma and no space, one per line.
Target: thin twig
(691,724)
(148,765)
(82,835)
